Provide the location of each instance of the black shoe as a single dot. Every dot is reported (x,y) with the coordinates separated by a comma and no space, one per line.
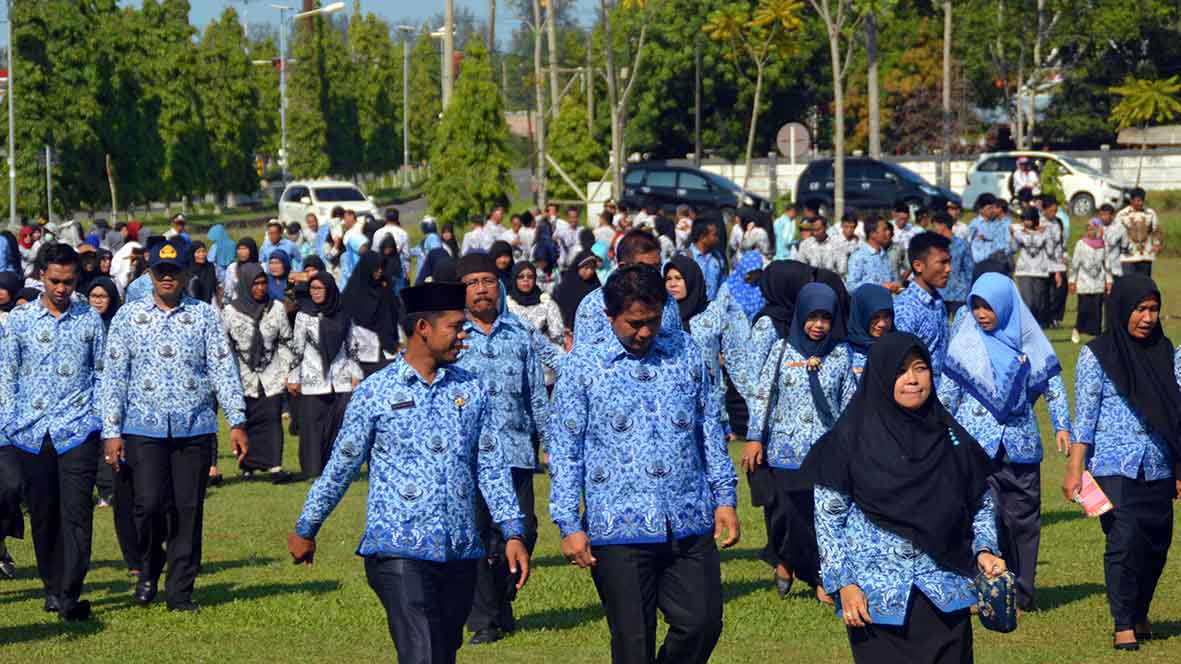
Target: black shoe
(1133,646)
(52,604)
(145,590)
(184,606)
(490,635)
(216,480)
(782,585)
(7,566)
(75,610)
(281,477)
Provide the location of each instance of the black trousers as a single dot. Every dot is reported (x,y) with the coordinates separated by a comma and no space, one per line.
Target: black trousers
(58,491)
(1138,532)
(320,417)
(12,519)
(791,530)
(492,606)
(264,427)
(169,476)
(425,605)
(1141,267)
(682,578)
(929,636)
(123,511)
(1017,489)
(1056,306)
(1090,314)
(1035,291)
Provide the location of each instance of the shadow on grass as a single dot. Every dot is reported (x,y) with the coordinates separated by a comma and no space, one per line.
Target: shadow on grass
(223,593)
(38,593)
(1055,597)
(16,634)
(225,565)
(741,554)
(568,618)
(1166,629)
(1061,516)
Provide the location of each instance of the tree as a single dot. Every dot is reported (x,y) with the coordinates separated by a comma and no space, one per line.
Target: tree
(759,33)
(230,102)
(618,98)
(342,104)
(574,149)
(840,23)
(426,101)
(307,101)
(470,165)
(1145,102)
(378,81)
(874,10)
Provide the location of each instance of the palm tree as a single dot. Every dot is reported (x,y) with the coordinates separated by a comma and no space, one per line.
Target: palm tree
(1145,102)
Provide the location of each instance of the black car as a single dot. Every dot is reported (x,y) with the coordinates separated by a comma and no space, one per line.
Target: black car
(869,185)
(668,186)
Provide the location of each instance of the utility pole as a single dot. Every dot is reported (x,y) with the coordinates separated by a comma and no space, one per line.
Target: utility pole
(946,156)
(448,50)
(48,183)
(697,101)
(590,85)
(10,93)
(407,30)
(539,91)
(555,91)
(283,91)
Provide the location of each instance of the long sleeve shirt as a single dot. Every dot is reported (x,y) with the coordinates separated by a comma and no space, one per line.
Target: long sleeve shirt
(711,268)
(166,372)
(1140,233)
(1122,443)
(271,377)
(870,266)
(505,360)
(959,283)
(990,239)
(592,325)
(549,332)
(287,246)
(140,289)
(430,447)
(1089,270)
(307,368)
(714,334)
(888,567)
(49,374)
(637,439)
(1034,259)
(828,255)
(785,236)
(5,265)
(924,315)
(791,425)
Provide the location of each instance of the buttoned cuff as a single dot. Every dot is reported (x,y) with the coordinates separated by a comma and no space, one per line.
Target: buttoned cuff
(306,529)
(236,419)
(726,496)
(512,528)
(568,527)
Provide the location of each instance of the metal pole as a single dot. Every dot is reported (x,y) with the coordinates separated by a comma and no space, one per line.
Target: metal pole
(448,50)
(11,128)
(406,102)
(48,183)
(283,93)
(697,101)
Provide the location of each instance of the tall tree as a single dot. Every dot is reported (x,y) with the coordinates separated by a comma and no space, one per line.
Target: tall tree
(618,94)
(307,100)
(378,84)
(841,23)
(574,149)
(343,74)
(426,101)
(230,101)
(470,165)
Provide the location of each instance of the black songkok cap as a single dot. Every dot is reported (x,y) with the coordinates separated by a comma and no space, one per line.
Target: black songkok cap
(434,296)
(474,263)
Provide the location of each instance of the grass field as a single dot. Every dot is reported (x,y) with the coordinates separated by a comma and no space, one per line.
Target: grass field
(258,607)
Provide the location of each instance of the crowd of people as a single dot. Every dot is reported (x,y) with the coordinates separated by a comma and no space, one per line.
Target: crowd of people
(882,373)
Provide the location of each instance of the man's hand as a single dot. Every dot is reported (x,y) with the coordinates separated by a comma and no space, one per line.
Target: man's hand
(726,518)
(517,557)
(1063,440)
(854,608)
(1072,482)
(239,443)
(113,452)
(752,456)
(1057,280)
(302,550)
(576,548)
(990,565)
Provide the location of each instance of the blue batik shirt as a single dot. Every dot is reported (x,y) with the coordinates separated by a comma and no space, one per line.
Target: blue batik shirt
(49,374)
(924,315)
(139,289)
(870,266)
(856,362)
(638,439)
(430,447)
(1122,443)
(988,238)
(962,266)
(720,330)
(711,268)
(592,325)
(1020,434)
(888,567)
(506,361)
(795,424)
(167,371)
(5,407)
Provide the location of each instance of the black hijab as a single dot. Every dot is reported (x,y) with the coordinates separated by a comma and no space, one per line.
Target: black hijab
(1141,369)
(334,323)
(695,300)
(781,283)
(915,473)
(11,283)
(28,294)
(869,300)
(110,258)
(89,263)
(452,245)
(244,302)
(203,279)
(391,263)
(108,285)
(573,288)
(498,249)
(368,302)
(522,298)
(250,244)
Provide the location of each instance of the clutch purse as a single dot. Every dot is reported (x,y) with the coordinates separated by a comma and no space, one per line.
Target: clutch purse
(997,608)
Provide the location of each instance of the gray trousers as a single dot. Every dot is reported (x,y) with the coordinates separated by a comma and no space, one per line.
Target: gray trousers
(1016,487)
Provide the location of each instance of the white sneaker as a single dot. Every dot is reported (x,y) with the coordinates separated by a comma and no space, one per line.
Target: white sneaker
(1074,339)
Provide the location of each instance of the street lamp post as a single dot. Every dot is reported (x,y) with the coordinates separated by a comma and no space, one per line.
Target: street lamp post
(409,30)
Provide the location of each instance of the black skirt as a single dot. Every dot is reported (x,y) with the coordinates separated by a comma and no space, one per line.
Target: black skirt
(929,636)
(1090,314)
(12,520)
(791,529)
(320,418)
(264,427)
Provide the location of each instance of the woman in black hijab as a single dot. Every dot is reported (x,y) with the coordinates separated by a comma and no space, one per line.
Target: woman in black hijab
(372,307)
(435,261)
(10,285)
(578,281)
(246,254)
(103,295)
(202,274)
(450,244)
(502,253)
(904,516)
(1127,433)
(686,284)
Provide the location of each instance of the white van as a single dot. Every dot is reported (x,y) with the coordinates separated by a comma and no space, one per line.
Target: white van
(319,197)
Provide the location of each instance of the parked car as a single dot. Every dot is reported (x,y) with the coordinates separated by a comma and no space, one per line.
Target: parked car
(319,197)
(1085,187)
(869,185)
(710,195)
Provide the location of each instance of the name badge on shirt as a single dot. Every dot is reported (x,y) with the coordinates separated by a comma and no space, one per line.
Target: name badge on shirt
(858,370)
(402,405)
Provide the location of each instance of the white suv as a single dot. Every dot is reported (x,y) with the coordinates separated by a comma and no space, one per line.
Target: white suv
(319,197)
(1085,187)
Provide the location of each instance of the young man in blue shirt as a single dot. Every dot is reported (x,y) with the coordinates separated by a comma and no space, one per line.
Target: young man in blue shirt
(920,309)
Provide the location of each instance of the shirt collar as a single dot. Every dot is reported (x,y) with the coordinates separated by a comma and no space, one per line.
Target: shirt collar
(470,326)
(613,350)
(43,311)
(409,374)
(922,294)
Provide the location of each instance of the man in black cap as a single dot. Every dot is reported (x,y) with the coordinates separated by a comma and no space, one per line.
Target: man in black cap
(168,366)
(423,426)
(499,350)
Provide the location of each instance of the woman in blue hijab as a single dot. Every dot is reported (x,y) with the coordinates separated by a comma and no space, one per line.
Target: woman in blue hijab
(278,268)
(743,285)
(872,317)
(221,248)
(999,363)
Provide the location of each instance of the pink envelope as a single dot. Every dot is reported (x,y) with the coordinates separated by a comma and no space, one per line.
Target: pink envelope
(1092,498)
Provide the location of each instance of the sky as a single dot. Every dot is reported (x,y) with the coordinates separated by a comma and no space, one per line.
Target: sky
(204,11)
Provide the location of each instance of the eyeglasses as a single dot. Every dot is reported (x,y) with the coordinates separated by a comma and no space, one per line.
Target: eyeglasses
(486,282)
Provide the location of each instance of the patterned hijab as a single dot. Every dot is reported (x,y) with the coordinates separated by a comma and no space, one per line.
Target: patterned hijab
(747,295)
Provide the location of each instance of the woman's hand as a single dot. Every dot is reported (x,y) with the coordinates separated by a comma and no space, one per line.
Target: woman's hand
(1063,440)
(990,565)
(752,456)
(854,608)
(1072,482)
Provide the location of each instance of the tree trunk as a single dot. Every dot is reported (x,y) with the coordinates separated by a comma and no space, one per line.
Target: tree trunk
(491,28)
(114,196)
(539,90)
(873,92)
(838,138)
(946,158)
(555,91)
(754,122)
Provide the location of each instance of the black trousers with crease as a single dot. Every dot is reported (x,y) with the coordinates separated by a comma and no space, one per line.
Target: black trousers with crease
(1139,531)
(425,605)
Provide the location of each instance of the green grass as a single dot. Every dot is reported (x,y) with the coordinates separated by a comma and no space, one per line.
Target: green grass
(259,607)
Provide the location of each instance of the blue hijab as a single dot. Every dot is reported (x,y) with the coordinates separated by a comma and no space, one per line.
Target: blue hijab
(868,301)
(748,296)
(1009,365)
(277,286)
(226,249)
(815,297)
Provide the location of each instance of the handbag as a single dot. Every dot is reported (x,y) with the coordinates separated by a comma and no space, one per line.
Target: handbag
(762,487)
(997,607)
